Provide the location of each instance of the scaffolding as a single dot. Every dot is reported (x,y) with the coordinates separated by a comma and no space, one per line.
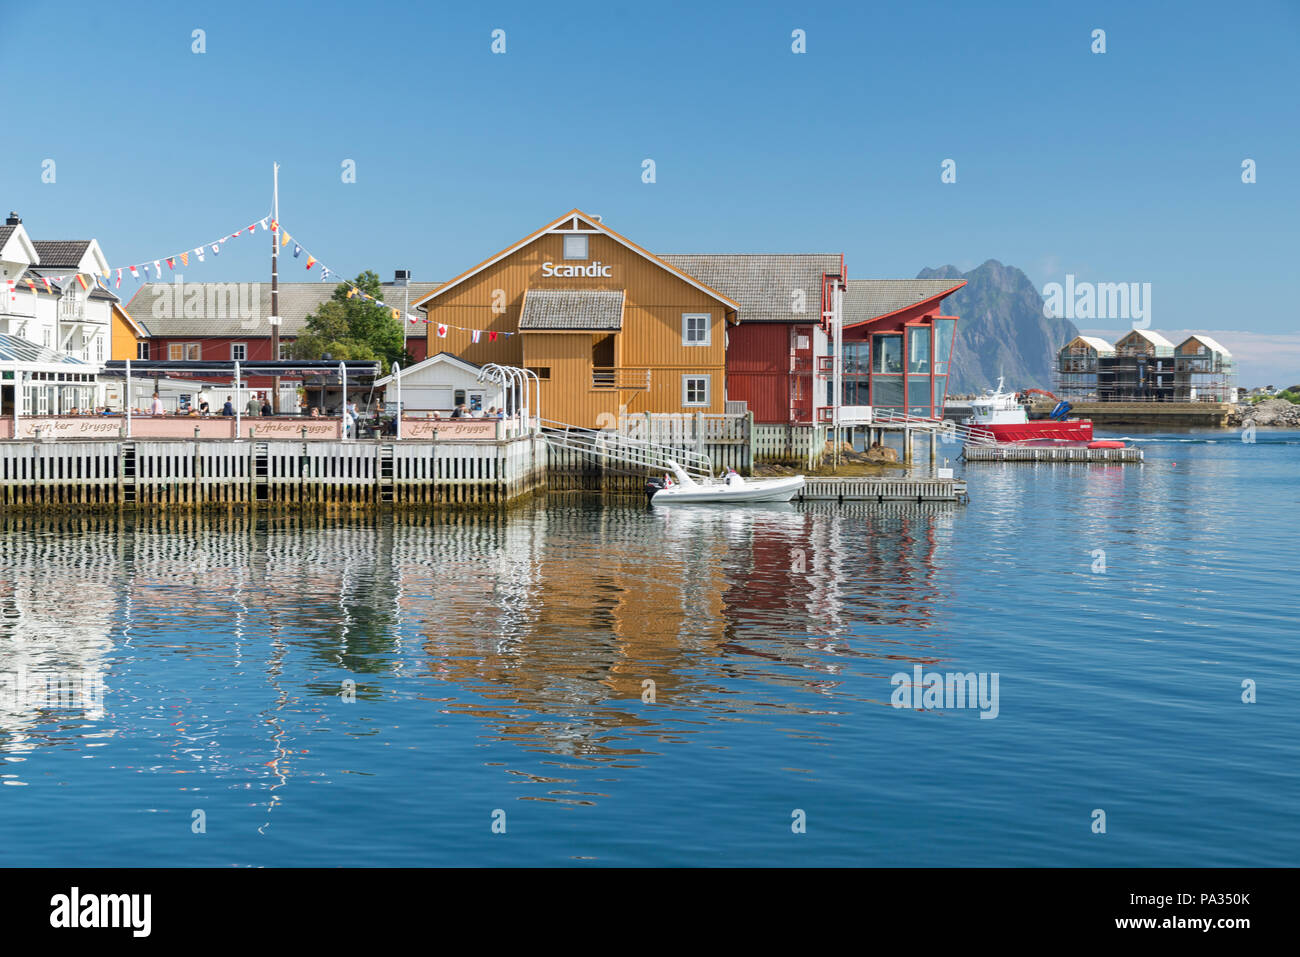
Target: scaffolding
(1139,371)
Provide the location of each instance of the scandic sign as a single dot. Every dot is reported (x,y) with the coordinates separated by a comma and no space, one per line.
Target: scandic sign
(593,271)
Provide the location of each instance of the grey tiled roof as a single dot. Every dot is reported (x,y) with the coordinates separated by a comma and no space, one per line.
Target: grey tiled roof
(5,233)
(764,285)
(61,253)
(595,309)
(865,299)
(241,309)
(36,276)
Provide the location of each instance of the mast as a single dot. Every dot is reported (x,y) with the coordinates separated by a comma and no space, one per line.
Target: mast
(275,283)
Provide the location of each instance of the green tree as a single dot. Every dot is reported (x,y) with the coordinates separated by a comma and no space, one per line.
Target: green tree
(349,326)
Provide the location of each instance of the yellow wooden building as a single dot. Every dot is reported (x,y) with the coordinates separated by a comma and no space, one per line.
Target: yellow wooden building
(608,327)
(125,335)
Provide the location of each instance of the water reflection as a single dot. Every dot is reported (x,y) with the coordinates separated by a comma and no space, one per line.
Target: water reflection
(550,626)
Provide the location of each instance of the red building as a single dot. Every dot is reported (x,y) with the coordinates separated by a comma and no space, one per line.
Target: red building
(897,342)
(897,345)
(229,321)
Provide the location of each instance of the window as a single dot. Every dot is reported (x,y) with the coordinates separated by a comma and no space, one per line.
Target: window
(182,351)
(99,348)
(695,390)
(575,247)
(943,333)
(239,351)
(919,396)
(542,372)
(918,350)
(887,354)
(142,350)
(887,391)
(286,350)
(45,338)
(695,329)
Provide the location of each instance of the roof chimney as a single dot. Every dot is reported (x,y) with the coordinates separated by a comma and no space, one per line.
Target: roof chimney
(14,219)
(401,277)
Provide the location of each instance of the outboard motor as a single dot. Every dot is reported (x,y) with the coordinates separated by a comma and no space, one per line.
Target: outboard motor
(652,486)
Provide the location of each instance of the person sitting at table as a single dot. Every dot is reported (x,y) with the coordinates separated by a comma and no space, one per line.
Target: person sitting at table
(229,408)
(315,412)
(204,409)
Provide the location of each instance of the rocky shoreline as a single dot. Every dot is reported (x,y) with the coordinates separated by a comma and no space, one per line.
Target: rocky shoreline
(1276,413)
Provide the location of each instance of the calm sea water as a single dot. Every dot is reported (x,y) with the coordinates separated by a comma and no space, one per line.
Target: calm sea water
(500,662)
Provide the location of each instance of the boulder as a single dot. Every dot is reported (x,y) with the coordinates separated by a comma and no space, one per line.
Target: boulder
(881,453)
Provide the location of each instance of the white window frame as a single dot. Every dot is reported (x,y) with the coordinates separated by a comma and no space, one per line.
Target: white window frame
(574,237)
(142,347)
(239,345)
(708,390)
(286,350)
(708,329)
(99,348)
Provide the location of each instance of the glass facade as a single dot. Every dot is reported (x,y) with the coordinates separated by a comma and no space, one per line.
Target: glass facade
(944,330)
(887,354)
(905,371)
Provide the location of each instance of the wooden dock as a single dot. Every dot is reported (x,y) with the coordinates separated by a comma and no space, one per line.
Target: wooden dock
(884,489)
(1048,453)
(336,474)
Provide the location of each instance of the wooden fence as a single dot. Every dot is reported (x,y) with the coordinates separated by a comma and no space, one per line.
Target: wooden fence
(328,474)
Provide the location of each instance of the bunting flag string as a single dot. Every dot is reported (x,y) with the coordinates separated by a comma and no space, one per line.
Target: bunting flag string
(325,272)
(140,271)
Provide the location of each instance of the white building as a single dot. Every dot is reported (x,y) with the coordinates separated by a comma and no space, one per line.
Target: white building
(440,383)
(55,319)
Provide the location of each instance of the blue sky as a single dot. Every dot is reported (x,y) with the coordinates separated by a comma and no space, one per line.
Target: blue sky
(1115,167)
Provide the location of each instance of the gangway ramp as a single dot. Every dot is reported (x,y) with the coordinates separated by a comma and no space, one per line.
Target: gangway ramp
(614,446)
(945,427)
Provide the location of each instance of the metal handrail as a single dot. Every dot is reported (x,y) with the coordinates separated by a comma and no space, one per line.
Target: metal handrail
(625,449)
(968,434)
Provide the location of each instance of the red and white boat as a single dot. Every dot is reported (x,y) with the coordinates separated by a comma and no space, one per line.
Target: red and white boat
(1001,417)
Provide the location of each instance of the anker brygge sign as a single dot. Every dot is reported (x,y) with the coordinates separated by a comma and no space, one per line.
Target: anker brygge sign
(564,269)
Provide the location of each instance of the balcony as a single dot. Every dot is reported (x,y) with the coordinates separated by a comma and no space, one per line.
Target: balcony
(71,309)
(619,378)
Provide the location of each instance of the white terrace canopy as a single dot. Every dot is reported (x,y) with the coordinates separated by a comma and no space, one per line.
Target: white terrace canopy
(47,380)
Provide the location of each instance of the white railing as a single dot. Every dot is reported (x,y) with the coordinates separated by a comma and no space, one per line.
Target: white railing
(625,450)
(968,434)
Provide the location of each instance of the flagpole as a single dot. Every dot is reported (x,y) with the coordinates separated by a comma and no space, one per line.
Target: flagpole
(275,283)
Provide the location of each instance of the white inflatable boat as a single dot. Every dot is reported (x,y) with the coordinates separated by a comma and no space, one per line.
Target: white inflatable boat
(730,489)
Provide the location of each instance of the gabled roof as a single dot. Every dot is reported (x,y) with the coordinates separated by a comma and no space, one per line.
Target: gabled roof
(78,255)
(768,288)
(436,359)
(139,330)
(1097,344)
(1150,335)
(596,310)
(575,220)
(219,304)
(868,299)
(61,254)
(1206,341)
(14,242)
